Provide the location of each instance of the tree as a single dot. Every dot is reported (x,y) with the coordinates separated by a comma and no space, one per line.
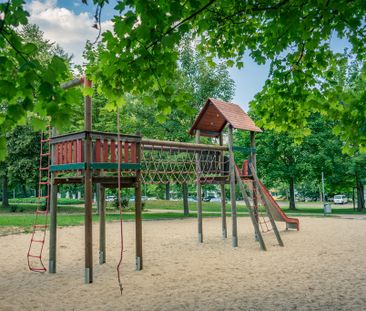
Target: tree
(280,159)
(23,157)
(292,34)
(299,165)
(356,169)
(28,82)
(296,33)
(4,184)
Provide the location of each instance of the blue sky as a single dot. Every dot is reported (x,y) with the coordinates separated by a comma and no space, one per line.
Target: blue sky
(68,22)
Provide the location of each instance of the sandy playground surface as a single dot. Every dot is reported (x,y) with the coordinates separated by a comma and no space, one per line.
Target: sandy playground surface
(322,267)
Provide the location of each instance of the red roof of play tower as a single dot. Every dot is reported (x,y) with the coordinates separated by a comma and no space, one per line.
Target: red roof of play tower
(215,114)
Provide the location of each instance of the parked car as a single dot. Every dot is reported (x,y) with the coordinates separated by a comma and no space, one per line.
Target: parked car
(208,198)
(110,198)
(215,199)
(340,199)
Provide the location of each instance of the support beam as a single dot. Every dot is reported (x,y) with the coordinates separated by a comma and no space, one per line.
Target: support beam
(253,161)
(88,192)
(102,227)
(138,211)
(232,189)
(185,199)
(53,227)
(199,190)
(223,195)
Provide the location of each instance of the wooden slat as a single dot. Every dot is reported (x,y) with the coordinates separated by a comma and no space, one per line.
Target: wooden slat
(133,152)
(69,152)
(120,152)
(56,153)
(64,150)
(74,149)
(105,150)
(79,151)
(98,150)
(125,153)
(113,151)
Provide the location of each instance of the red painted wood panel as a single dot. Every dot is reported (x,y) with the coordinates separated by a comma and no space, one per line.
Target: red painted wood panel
(133,152)
(69,152)
(79,151)
(98,150)
(56,151)
(120,153)
(125,153)
(113,151)
(74,148)
(105,150)
(63,156)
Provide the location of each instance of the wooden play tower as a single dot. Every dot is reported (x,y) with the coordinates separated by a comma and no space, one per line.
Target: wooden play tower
(89,157)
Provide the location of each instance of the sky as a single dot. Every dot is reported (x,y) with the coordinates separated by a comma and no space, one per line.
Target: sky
(69,23)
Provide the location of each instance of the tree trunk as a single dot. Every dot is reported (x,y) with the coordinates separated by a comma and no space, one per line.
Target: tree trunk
(185,199)
(292,193)
(24,191)
(167,191)
(360,195)
(5,192)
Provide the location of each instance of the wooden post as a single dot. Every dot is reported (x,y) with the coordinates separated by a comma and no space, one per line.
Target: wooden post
(102,242)
(138,209)
(53,226)
(253,161)
(88,191)
(223,195)
(232,189)
(199,190)
(167,191)
(53,214)
(185,199)
(97,192)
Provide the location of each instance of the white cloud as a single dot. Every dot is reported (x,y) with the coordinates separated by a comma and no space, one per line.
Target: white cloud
(61,25)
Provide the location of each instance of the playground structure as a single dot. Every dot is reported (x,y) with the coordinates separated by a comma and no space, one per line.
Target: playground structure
(126,161)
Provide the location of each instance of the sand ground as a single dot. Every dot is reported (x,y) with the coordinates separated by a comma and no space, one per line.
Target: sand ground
(322,267)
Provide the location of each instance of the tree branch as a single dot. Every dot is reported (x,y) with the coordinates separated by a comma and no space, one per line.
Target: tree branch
(193,15)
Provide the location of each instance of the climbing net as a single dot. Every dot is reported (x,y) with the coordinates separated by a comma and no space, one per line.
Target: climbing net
(161,164)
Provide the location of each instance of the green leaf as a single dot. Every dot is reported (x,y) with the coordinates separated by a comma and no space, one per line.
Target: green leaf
(29,48)
(3,148)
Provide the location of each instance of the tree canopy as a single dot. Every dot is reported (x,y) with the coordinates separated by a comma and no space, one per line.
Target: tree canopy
(30,79)
(293,35)
(141,57)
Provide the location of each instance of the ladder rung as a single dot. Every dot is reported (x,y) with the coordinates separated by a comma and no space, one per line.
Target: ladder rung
(41,212)
(39,226)
(43,197)
(44,154)
(44,182)
(37,241)
(45,140)
(38,269)
(44,168)
(34,256)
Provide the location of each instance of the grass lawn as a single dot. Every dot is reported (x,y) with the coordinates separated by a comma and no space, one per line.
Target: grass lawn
(69,215)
